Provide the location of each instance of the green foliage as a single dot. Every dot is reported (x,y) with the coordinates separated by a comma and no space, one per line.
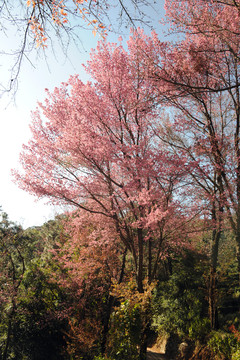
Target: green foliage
(225,344)
(129,321)
(199,329)
(125,333)
(38,304)
(179,303)
(33,303)
(29,327)
(37,338)
(101,357)
(236,355)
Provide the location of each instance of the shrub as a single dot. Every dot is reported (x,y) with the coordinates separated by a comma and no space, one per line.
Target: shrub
(124,336)
(179,303)
(199,329)
(236,355)
(224,344)
(129,321)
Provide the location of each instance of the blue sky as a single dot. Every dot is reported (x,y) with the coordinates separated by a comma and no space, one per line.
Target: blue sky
(14,128)
(15,118)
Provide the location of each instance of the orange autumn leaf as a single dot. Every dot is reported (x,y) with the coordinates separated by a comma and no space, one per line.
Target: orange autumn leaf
(31,2)
(63,12)
(59,15)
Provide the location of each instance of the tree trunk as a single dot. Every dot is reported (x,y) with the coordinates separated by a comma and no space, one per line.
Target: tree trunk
(5,352)
(140,261)
(213,312)
(143,351)
(238,226)
(216,235)
(149,261)
(106,320)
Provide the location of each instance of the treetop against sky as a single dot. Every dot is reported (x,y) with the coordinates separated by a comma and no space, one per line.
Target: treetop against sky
(26,71)
(202,70)
(36,25)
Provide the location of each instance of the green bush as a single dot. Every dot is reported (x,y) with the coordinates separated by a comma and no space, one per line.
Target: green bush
(199,329)
(224,344)
(125,332)
(179,303)
(236,355)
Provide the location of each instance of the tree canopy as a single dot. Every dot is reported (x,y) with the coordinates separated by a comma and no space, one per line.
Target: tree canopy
(147,154)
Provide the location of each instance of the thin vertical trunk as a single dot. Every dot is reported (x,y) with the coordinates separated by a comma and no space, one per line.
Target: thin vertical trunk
(157,256)
(123,266)
(106,321)
(140,261)
(238,219)
(143,342)
(212,280)
(149,261)
(9,330)
(143,351)
(238,256)
(217,216)
(237,154)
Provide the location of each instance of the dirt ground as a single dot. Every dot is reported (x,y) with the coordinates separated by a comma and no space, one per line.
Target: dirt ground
(154,354)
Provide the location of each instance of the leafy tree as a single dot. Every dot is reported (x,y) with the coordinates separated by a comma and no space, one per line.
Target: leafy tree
(12,269)
(127,181)
(129,328)
(139,176)
(198,80)
(85,266)
(202,75)
(29,327)
(179,303)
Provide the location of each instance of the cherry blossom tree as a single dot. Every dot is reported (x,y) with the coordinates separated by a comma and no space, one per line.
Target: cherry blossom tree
(186,135)
(88,263)
(94,147)
(198,79)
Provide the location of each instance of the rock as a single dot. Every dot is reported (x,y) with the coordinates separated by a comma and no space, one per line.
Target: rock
(183,349)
